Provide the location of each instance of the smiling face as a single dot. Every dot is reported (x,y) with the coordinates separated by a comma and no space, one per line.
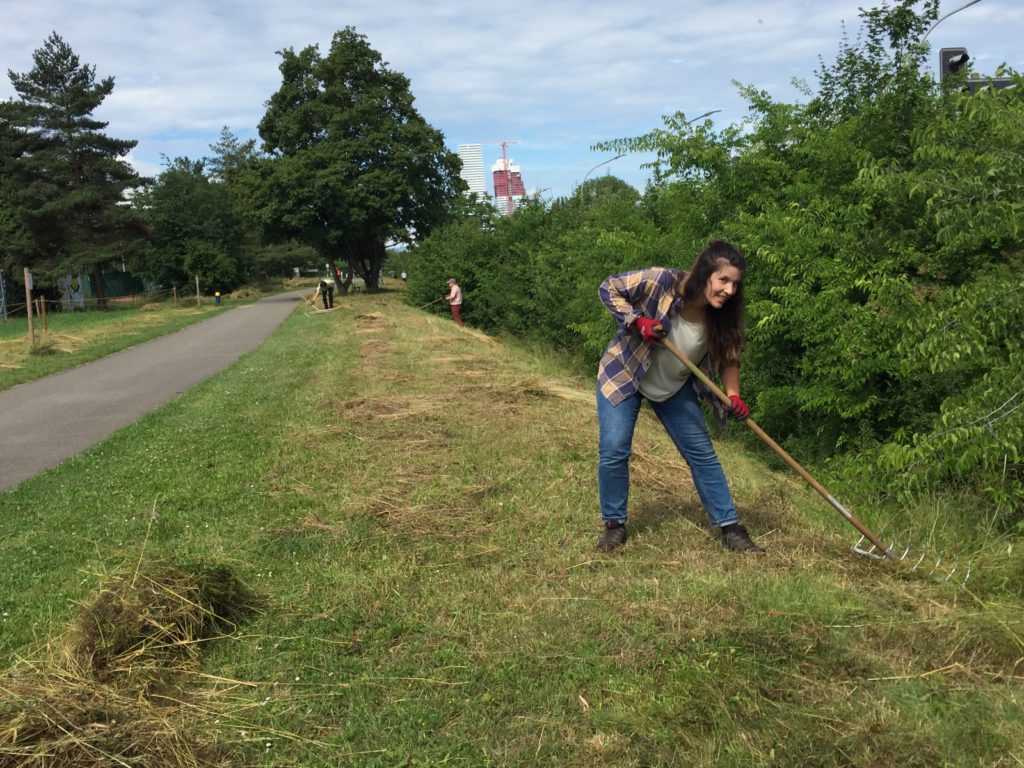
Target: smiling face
(721,286)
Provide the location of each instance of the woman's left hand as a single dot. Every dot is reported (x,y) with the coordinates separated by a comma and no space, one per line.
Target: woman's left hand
(739,408)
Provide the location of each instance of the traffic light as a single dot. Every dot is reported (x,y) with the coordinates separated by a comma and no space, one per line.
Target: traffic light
(951,61)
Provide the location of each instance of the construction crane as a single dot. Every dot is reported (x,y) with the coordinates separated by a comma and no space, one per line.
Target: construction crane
(508,174)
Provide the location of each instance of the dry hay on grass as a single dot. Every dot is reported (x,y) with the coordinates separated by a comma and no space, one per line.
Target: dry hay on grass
(516,399)
(481,336)
(62,719)
(313,522)
(533,388)
(458,520)
(668,474)
(372,322)
(50,344)
(112,690)
(386,408)
(455,359)
(245,293)
(156,617)
(375,351)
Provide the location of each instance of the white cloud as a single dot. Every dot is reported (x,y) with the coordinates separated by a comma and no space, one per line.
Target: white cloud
(555,76)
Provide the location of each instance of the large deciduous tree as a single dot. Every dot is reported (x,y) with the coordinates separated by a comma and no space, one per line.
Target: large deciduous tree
(196,229)
(351,163)
(67,180)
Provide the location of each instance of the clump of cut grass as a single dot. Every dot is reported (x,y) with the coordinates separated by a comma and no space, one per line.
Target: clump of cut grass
(44,345)
(62,718)
(114,689)
(153,618)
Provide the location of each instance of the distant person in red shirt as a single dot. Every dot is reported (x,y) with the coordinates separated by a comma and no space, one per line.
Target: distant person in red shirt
(455,300)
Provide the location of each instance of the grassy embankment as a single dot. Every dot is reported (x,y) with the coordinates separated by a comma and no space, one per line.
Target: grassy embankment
(416,506)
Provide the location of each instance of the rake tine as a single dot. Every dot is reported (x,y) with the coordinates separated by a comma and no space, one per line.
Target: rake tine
(870,552)
(874,553)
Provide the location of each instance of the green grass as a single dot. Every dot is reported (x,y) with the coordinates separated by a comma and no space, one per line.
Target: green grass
(417,506)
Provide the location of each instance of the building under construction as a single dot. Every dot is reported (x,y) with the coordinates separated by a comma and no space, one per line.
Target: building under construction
(508,185)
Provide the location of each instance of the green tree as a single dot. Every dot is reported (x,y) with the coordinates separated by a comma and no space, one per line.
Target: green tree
(351,164)
(68,181)
(14,241)
(196,229)
(231,156)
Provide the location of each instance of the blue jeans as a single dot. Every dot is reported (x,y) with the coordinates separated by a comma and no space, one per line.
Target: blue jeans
(683,419)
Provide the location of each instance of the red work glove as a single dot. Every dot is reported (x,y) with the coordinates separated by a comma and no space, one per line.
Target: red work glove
(739,408)
(650,329)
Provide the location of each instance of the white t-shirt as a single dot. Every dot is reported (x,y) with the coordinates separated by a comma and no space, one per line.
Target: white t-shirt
(667,374)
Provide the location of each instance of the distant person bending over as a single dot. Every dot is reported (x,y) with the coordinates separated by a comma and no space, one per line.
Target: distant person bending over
(455,300)
(702,314)
(327,294)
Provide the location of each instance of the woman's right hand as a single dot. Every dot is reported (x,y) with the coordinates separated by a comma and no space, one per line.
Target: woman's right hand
(650,329)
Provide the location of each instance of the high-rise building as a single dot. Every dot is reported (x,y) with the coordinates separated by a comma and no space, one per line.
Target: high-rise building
(472,156)
(508,185)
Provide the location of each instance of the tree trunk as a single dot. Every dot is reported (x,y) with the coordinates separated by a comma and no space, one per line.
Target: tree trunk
(366,258)
(99,286)
(340,286)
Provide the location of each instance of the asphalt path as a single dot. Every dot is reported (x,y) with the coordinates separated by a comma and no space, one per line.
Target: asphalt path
(45,422)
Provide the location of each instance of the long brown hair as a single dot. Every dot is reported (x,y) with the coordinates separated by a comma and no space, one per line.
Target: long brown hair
(725,327)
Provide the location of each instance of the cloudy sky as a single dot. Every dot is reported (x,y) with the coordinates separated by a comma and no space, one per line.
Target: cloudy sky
(551,78)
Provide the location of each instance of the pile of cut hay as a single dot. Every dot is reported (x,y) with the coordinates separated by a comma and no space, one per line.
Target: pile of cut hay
(118,687)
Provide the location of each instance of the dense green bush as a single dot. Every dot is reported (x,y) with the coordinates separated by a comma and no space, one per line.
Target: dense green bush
(882,225)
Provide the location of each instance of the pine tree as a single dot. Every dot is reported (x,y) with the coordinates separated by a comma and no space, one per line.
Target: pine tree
(68,180)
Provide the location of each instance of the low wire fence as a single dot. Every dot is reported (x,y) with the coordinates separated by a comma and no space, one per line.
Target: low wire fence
(45,304)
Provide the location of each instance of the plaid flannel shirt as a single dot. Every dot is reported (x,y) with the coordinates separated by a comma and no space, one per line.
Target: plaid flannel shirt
(651,292)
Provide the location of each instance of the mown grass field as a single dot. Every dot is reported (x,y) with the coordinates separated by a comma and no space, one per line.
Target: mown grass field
(415,506)
(67,339)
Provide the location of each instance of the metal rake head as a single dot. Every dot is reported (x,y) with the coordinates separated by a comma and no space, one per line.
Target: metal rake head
(922,563)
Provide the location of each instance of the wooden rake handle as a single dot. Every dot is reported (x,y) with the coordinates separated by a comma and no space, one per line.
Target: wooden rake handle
(850,517)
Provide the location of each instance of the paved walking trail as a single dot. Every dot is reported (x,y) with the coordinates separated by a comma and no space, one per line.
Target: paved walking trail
(45,422)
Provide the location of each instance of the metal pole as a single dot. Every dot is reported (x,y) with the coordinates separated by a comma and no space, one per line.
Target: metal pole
(942,19)
(3,297)
(28,306)
(604,162)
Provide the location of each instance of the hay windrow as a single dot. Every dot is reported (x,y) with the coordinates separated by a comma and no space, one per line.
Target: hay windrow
(385,408)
